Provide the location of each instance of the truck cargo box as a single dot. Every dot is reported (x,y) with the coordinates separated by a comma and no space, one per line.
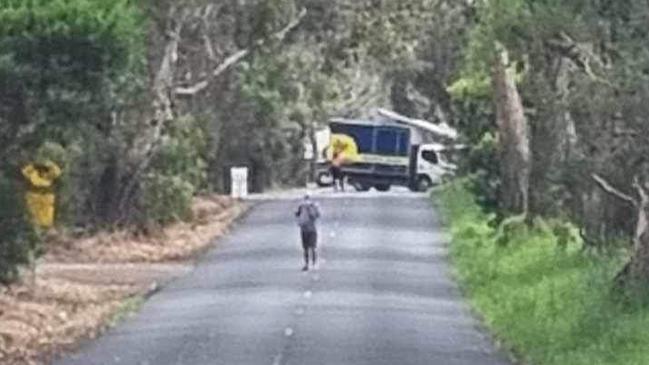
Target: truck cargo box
(379,148)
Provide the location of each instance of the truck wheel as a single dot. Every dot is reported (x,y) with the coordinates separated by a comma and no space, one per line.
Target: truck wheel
(424,184)
(382,187)
(324,179)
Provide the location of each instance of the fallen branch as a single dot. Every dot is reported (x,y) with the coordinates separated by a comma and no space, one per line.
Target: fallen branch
(236,57)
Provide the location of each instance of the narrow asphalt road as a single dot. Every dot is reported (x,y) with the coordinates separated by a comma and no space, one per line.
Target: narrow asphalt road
(383,295)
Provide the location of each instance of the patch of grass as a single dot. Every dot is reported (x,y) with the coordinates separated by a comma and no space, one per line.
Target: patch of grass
(550,302)
(128,307)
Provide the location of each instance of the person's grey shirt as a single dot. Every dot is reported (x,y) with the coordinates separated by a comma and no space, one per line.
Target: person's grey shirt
(309,223)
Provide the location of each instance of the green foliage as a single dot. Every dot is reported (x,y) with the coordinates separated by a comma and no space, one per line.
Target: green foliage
(19,242)
(126,309)
(391,30)
(178,171)
(482,165)
(474,86)
(267,136)
(60,57)
(50,151)
(103,34)
(510,228)
(183,152)
(165,199)
(547,299)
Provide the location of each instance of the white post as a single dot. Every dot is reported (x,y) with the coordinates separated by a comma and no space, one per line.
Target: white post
(239,178)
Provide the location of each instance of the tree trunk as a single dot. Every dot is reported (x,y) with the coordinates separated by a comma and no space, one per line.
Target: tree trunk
(553,139)
(513,138)
(145,146)
(314,145)
(639,264)
(636,272)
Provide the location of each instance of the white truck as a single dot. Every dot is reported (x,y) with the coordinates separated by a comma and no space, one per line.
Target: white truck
(383,156)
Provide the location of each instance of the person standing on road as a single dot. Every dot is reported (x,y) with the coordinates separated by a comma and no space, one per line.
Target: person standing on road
(307,214)
(336,171)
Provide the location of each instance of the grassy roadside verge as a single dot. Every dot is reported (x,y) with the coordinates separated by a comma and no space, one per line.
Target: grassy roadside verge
(127,308)
(549,303)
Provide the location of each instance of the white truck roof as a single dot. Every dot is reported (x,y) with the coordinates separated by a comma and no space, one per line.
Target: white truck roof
(442,130)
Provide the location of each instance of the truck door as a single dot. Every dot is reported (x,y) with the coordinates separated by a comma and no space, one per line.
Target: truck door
(428,165)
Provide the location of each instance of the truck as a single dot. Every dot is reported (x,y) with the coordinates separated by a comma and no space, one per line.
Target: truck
(381,154)
(323,176)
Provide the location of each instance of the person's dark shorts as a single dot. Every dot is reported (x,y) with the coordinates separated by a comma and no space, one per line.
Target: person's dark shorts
(309,239)
(336,172)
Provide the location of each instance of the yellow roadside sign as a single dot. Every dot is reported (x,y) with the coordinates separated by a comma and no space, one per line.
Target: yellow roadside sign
(40,197)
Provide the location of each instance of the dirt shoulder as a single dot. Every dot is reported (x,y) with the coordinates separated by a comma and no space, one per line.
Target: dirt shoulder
(82,284)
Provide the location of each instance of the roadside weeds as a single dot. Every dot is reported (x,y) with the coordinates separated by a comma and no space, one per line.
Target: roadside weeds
(548,302)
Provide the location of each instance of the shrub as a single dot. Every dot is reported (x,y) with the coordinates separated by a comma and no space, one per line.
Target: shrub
(166,199)
(541,294)
(183,152)
(485,178)
(19,242)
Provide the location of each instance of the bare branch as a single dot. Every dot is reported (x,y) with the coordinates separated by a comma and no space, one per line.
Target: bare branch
(604,185)
(206,38)
(208,47)
(580,56)
(224,66)
(644,197)
(582,49)
(238,56)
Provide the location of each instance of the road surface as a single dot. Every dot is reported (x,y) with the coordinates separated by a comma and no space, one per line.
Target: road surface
(383,295)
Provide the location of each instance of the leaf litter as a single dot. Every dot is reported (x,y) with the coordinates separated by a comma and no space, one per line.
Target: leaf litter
(80,284)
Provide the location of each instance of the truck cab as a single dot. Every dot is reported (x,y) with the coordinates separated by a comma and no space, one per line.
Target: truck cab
(430,166)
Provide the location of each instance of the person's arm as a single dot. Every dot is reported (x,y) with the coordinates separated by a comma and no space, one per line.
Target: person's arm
(34,177)
(53,170)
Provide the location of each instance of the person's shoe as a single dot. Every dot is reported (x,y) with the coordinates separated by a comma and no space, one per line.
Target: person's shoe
(316,266)
(305,268)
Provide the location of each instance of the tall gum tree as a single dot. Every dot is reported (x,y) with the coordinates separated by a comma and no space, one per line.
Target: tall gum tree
(490,68)
(513,139)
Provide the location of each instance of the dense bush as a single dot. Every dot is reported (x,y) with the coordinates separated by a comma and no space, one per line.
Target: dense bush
(18,241)
(548,300)
(183,152)
(166,199)
(61,62)
(59,57)
(482,165)
(178,172)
